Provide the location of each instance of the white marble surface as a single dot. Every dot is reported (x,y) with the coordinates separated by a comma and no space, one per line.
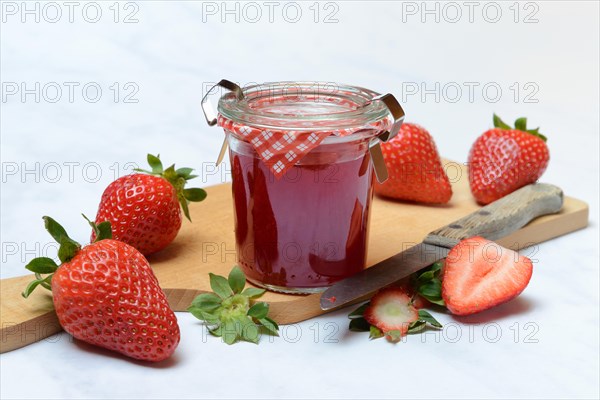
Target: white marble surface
(174,51)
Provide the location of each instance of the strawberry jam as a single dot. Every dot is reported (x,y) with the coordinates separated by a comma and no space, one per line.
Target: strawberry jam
(303,157)
(309,228)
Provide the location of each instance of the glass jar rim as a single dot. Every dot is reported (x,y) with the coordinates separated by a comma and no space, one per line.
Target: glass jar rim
(304,106)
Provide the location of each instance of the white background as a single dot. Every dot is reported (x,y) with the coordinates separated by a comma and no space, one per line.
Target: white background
(175,50)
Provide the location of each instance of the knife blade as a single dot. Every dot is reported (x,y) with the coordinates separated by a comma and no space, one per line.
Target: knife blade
(494,221)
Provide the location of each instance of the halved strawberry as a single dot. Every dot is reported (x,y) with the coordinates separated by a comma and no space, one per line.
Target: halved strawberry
(480,274)
(392,312)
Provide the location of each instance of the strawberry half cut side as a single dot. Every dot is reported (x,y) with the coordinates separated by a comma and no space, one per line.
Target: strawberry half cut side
(480,274)
(391,311)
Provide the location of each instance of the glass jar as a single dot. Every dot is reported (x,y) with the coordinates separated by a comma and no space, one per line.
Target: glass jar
(302,157)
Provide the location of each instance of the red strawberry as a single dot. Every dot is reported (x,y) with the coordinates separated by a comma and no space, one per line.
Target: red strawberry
(392,312)
(106,294)
(414,166)
(144,210)
(505,159)
(480,274)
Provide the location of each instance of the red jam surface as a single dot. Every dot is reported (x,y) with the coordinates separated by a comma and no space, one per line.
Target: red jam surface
(307,229)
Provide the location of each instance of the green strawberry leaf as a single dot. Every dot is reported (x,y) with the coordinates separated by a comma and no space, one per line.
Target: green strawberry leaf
(246,329)
(207,317)
(359,312)
(359,325)
(54,228)
(68,249)
(251,333)
(498,123)
(426,317)
(218,331)
(259,310)
(194,194)
(521,124)
(431,288)
(425,277)
(155,164)
(210,318)
(207,302)
(42,265)
(229,333)
(238,323)
(436,267)
(220,286)
(185,208)
(416,326)
(428,284)
(236,279)
(270,325)
(535,132)
(253,293)
(436,300)
(184,172)
(104,231)
(197,312)
(375,332)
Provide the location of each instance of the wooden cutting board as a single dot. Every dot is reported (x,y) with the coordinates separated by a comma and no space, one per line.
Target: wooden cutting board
(208,245)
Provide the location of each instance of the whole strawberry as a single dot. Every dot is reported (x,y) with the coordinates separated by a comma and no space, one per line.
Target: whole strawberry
(505,159)
(144,209)
(107,295)
(414,166)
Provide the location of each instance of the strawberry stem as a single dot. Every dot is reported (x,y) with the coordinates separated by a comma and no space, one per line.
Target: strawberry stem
(178,178)
(101,231)
(520,125)
(231,312)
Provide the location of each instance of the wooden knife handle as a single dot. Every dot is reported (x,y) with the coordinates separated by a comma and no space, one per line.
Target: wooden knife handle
(503,216)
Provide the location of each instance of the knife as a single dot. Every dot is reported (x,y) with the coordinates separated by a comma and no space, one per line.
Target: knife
(494,221)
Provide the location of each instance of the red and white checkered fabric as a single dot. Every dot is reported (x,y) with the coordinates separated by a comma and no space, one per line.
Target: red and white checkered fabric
(280,149)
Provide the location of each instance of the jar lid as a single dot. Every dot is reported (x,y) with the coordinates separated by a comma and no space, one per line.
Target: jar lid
(304,106)
(286,120)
